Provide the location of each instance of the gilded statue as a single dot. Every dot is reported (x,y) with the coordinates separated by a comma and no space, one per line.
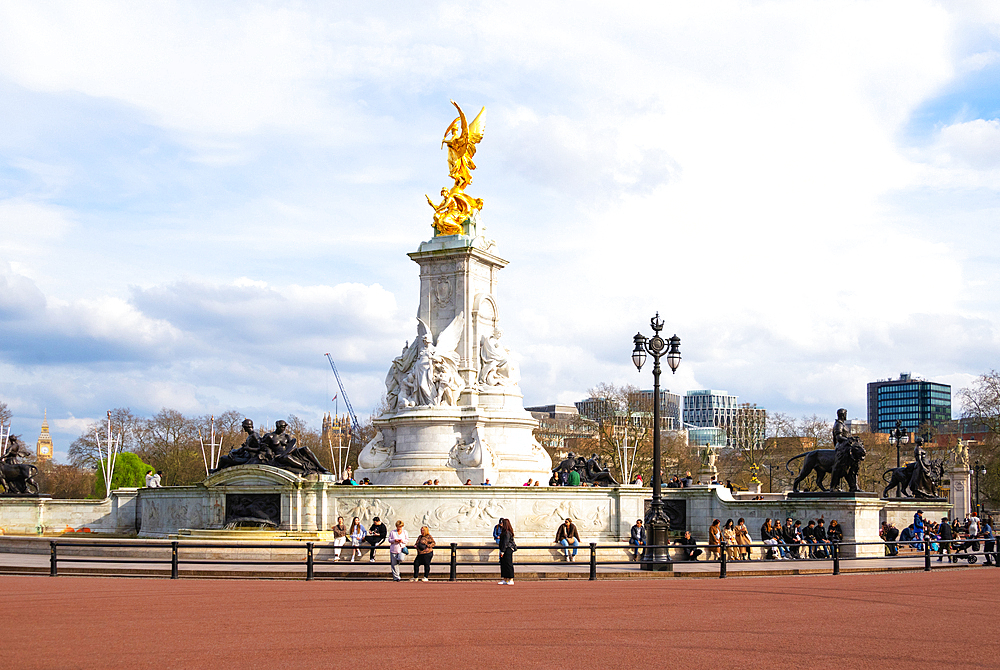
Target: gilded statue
(456,207)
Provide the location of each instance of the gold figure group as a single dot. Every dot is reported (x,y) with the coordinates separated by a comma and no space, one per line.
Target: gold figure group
(456,206)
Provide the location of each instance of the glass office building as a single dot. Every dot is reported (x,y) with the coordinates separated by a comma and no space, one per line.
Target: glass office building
(909,400)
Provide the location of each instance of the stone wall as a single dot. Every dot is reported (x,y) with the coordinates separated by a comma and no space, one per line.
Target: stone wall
(36,516)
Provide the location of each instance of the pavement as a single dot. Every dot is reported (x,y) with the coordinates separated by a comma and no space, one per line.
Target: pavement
(910,620)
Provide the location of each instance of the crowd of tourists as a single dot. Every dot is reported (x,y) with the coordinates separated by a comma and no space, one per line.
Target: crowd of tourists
(792,540)
(945,538)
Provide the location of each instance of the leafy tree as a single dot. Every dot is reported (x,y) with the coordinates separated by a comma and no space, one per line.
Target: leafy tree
(129,471)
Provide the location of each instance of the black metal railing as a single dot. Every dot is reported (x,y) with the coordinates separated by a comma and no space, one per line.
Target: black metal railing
(833,551)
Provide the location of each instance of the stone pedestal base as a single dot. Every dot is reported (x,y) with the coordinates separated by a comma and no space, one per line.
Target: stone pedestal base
(455,444)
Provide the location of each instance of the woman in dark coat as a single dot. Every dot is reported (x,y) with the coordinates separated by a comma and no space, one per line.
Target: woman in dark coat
(506,552)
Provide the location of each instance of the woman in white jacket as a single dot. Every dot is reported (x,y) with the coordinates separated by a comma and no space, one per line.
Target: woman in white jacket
(398,539)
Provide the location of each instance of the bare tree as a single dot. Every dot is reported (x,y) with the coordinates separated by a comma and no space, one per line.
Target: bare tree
(83,452)
(5,414)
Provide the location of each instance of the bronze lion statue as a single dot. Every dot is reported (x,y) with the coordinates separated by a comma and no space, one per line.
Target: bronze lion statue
(841,463)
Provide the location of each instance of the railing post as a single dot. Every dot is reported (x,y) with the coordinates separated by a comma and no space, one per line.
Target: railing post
(453,568)
(722,563)
(309,560)
(593,561)
(53,558)
(173,559)
(927,555)
(836,558)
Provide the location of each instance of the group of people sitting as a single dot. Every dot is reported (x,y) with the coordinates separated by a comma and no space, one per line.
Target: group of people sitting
(793,541)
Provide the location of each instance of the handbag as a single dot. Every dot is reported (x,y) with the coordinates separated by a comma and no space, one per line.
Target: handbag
(404,550)
(511,546)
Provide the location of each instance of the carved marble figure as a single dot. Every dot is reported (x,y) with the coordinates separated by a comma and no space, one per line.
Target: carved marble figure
(377,453)
(426,373)
(497,367)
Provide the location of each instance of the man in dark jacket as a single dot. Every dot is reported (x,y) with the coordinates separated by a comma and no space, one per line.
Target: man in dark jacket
(567,535)
(637,538)
(688,546)
(376,536)
(944,546)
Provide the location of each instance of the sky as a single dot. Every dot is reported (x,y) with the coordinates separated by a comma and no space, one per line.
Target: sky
(198,200)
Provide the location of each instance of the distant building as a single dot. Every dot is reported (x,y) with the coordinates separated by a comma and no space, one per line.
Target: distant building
(43,448)
(708,414)
(710,408)
(639,410)
(561,429)
(857,426)
(911,400)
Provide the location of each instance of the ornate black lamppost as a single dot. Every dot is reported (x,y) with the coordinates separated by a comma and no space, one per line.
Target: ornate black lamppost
(898,435)
(657,523)
(978,469)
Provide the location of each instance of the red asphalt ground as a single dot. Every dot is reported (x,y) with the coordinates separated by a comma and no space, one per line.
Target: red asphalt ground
(910,620)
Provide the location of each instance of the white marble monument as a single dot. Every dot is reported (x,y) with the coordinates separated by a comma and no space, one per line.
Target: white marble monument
(455,409)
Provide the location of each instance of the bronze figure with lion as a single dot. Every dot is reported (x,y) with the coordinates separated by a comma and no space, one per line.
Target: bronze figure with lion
(841,463)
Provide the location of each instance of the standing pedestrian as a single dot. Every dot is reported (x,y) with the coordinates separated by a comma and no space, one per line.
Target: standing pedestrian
(989,542)
(425,552)
(398,539)
(339,537)
(357,534)
(507,549)
(743,539)
(714,541)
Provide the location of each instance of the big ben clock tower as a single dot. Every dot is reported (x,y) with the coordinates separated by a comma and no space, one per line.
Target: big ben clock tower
(43,448)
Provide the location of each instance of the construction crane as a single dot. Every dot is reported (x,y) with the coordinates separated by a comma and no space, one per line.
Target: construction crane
(355,426)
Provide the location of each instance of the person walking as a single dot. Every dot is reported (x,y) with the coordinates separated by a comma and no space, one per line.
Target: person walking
(357,534)
(339,537)
(989,543)
(945,538)
(425,552)
(507,549)
(398,539)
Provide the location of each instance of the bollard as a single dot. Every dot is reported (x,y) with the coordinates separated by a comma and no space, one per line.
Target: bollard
(836,558)
(453,569)
(593,561)
(53,569)
(722,563)
(927,555)
(173,559)
(309,560)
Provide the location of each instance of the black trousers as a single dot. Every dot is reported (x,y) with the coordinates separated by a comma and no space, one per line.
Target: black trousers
(507,565)
(374,541)
(424,560)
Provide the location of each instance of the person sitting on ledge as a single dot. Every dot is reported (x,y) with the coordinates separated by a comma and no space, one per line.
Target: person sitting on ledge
(376,536)
(487,482)
(567,535)
(529,482)
(689,548)
(468,482)
(688,481)
(573,478)
(637,538)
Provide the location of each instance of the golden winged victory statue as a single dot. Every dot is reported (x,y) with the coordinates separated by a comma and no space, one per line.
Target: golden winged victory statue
(456,207)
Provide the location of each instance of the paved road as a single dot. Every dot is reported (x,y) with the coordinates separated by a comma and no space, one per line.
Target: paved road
(877,621)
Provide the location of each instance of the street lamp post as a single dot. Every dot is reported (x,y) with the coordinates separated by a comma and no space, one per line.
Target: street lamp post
(897,435)
(978,469)
(657,521)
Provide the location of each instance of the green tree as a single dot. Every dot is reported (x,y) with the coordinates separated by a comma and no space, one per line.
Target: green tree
(129,471)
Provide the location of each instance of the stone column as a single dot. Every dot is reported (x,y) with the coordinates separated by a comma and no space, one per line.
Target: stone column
(959,493)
